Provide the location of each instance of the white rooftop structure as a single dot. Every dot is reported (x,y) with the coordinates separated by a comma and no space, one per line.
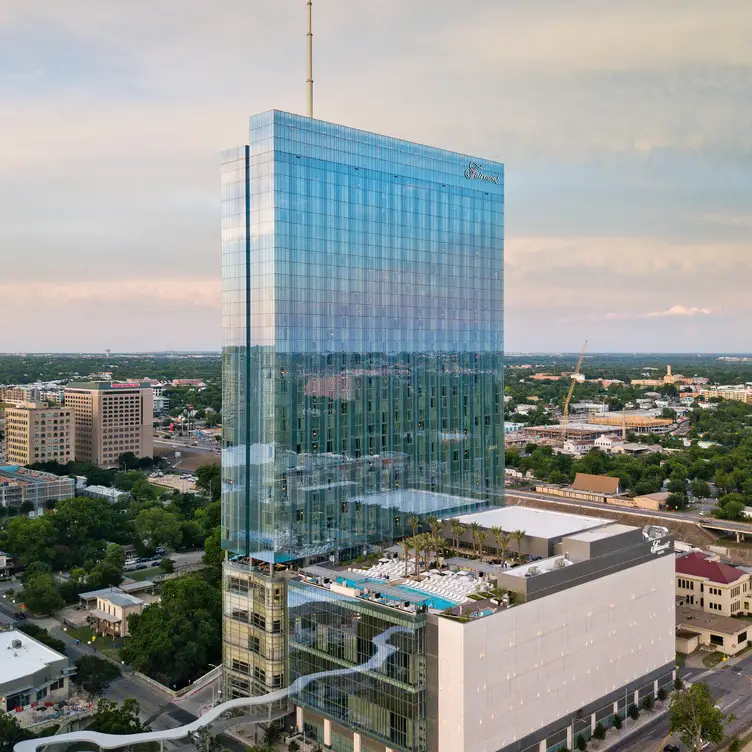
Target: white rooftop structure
(600,533)
(16,661)
(537,523)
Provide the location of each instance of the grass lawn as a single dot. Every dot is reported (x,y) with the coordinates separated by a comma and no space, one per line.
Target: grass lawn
(712,660)
(109,646)
(143,574)
(681,659)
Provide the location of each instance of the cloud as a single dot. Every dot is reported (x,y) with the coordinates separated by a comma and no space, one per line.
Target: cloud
(156,293)
(677,310)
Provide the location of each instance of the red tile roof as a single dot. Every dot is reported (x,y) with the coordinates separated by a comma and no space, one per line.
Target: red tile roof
(698,565)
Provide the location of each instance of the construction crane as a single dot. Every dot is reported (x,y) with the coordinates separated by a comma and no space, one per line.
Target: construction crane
(565,417)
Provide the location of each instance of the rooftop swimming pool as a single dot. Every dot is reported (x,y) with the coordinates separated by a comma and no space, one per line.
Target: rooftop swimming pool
(432,601)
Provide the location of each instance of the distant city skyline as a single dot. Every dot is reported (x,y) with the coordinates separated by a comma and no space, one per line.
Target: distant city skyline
(625,131)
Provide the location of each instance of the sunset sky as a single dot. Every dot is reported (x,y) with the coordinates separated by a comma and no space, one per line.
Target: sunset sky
(625,128)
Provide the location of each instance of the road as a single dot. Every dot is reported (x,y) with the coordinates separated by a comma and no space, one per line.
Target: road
(730,687)
(671,517)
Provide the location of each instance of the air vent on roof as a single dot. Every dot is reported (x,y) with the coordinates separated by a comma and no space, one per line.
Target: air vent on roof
(16,644)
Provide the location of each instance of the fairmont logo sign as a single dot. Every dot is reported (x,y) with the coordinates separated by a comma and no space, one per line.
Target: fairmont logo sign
(474,172)
(660,548)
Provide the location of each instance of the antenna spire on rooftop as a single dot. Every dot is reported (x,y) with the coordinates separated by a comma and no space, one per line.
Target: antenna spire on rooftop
(309,80)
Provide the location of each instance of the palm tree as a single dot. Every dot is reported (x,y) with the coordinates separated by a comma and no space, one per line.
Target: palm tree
(405,546)
(457,530)
(506,539)
(436,525)
(497,531)
(482,536)
(475,528)
(518,536)
(415,544)
(413,523)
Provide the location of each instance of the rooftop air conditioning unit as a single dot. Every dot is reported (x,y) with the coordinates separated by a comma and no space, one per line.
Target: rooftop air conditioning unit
(16,644)
(560,564)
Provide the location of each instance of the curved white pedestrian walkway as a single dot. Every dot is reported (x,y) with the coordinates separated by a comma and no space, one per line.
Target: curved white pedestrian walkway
(110,741)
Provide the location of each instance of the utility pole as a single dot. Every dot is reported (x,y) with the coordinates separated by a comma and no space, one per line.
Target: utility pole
(309,80)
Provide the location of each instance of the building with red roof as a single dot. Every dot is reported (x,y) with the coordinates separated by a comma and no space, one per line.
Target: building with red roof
(706,584)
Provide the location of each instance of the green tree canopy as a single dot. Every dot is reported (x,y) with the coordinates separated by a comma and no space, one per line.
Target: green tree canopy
(111,718)
(94,675)
(174,641)
(693,715)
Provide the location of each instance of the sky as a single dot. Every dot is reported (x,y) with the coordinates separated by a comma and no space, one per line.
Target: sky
(625,129)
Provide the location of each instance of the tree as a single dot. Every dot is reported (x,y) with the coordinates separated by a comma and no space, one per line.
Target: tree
(616,721)
(40,594)
(662,694)
(581,744)
(633,712)
(158,527)
(518,536)
(110,718)
(128,460)
(42,635)
(213,555)
(26,507)
(109,571)
(676,501)
(94,675)
(31,540)
(167,565)
(693,715)
(413,523)
(209,480)
(700,489)
(599,732)
(173,641)
(457,530)
(475,529)
(405,546)
(11,732)
(647,702)
(735,745)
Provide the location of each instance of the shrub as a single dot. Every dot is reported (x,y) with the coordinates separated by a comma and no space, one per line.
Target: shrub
(581,744)
(647,702)
(634,712)
(617,721)
(662,694)
(678,684)
(599,732)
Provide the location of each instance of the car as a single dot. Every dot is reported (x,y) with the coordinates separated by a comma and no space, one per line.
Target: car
(131,562)
(671,748)
(141,566)
(19,615)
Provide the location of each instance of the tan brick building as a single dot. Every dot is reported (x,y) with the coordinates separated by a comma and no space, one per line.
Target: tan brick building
(111,418)
(710,586)
(39,434)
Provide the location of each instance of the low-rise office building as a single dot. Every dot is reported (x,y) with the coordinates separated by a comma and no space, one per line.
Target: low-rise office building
(705,584)
(695,629)
(30,672)
(19,485)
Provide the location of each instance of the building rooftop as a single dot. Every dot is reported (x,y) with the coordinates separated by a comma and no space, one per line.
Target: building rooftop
(107,385)
(595,483)
(688,618)
(17,662)
(601,533)
(122,599)
(537,523)
(699,565)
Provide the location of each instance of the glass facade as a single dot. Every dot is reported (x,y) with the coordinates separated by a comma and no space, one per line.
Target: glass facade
(329,631)
(362,337)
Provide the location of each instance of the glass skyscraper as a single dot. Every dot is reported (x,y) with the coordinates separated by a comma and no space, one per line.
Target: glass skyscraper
(363,337)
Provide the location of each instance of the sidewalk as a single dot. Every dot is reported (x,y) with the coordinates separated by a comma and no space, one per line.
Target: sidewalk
(629,729)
